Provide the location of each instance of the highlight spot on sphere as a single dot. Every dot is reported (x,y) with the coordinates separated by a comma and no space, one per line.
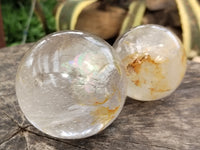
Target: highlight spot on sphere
(154,60)
(71,85)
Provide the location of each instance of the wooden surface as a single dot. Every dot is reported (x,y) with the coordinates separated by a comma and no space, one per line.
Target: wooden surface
(169,124)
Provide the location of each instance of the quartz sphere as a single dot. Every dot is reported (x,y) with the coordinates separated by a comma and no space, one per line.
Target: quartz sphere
(154,60)
(71,85)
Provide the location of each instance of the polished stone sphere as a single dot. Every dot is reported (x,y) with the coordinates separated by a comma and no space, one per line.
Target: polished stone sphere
(154,60)
(71,85)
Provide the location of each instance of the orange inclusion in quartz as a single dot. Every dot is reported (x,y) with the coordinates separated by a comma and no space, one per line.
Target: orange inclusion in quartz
(104,115)
(137,82)
(158,90)
(107,97)
(136,64)
(99,103)
(140,65)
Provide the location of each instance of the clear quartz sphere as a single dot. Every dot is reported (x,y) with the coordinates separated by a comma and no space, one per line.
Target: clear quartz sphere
(71,85)
(154,60)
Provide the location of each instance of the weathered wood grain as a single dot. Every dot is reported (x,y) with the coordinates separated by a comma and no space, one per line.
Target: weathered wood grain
(171,123)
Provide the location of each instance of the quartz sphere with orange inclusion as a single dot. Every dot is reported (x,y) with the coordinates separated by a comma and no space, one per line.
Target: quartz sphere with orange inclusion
(71,85)
(154,60)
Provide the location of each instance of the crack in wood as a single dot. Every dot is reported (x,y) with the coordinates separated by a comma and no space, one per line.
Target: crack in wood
(51,138)
(19,126)
(10,137)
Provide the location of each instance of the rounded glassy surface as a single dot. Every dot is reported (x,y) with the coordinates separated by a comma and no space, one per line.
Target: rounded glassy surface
(70,85)
(154,59)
